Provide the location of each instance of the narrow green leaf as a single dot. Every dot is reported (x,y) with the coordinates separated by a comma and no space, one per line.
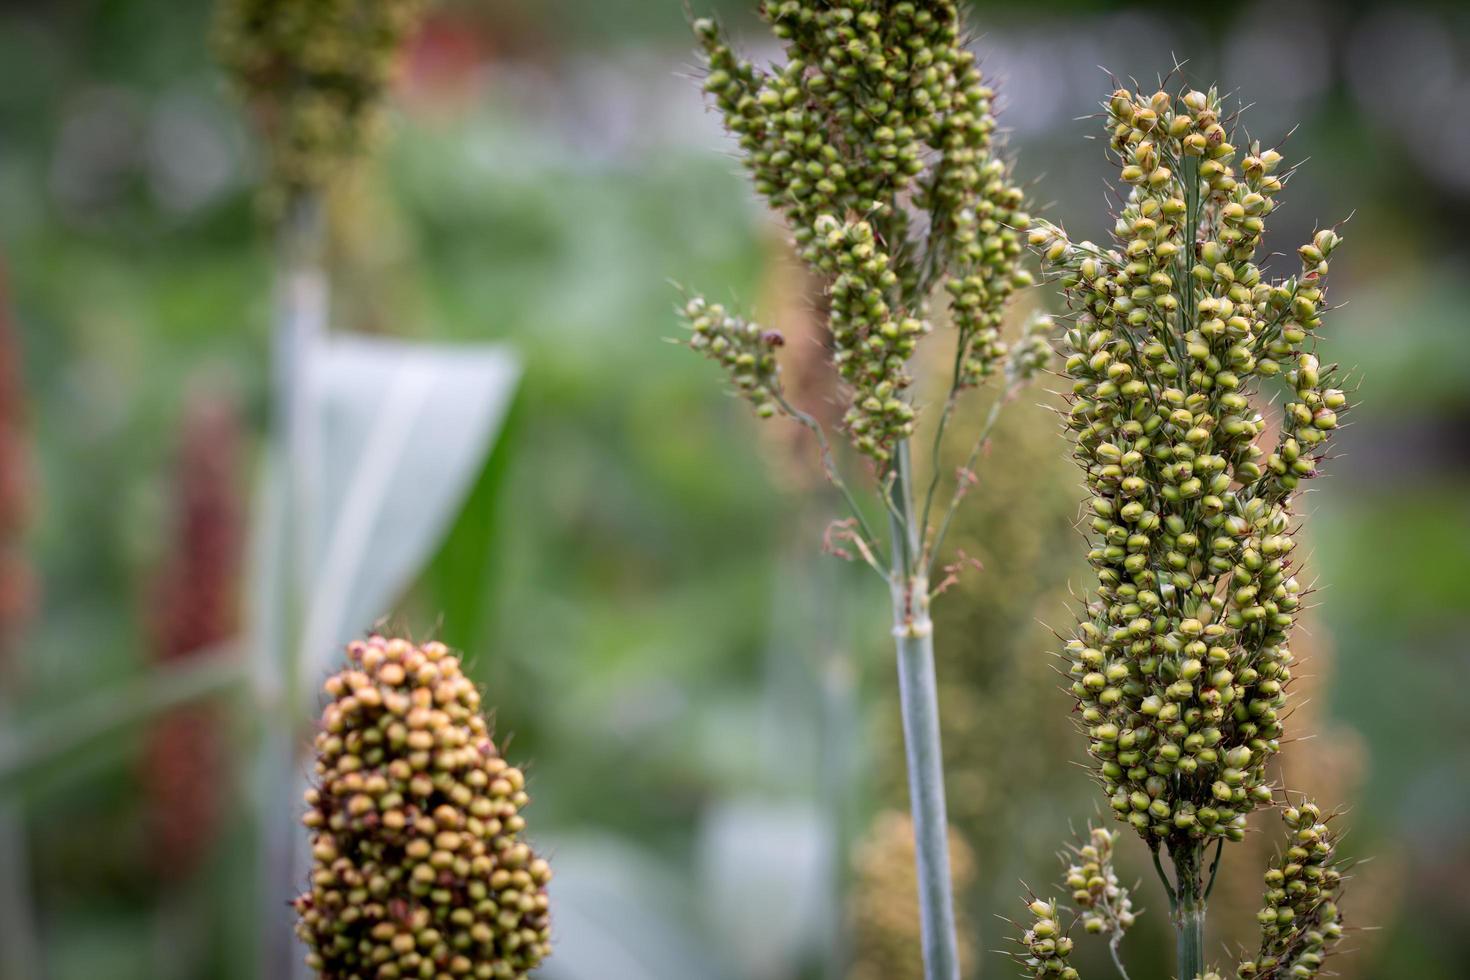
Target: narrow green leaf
(406,429)
(29,746)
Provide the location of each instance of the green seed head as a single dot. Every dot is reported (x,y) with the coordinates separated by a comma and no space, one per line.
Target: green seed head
(1195,597)
(1300,920)
(872,120)
(313,75)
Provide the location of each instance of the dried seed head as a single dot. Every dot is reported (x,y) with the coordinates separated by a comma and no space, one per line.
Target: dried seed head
(419,868)
(17,578)
(1107,907)
(1104,907)
(195,605)
(883,897)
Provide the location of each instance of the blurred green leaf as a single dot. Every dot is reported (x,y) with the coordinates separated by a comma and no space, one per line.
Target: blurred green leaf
(765,868)
(460,585)
(623,915)
(406,430)
(46,741)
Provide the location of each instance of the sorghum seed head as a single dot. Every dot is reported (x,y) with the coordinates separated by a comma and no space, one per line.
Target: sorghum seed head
(1045,946)
(418,863)
(745,350)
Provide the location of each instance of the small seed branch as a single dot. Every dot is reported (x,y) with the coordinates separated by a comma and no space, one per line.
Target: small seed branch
(874,141)
(1180,664)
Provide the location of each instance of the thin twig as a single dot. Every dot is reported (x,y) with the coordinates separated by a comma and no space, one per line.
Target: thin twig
(1169,888)
(961,342)
(829,466)
(1113,945)
(963,486)
(1214,868)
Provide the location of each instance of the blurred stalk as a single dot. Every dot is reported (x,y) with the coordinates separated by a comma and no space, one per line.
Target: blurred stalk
(20,954)
(300,326)
(913,632)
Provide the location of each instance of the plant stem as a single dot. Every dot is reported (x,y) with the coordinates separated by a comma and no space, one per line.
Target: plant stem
(1189,912)
(301,314)
(1189,922)
(966,473)
(20,947)
(913,632)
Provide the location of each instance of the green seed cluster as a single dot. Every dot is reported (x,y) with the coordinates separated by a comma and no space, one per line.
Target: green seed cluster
(1300,921)
(745,350)
(1181,665)
(1046,945)
(1032,352)
(977,210)
(419,869)
(314,72)
(878,113)
(872,345)
(1106,905)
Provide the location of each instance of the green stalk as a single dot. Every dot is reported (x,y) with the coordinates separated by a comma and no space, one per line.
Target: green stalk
(301,305)
(20,948)
(1189,913)
(1189,924)
(913,633)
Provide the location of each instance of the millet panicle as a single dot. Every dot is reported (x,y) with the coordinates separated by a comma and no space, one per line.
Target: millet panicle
(1181,663)
(878,114)
(314,74)
(419,868)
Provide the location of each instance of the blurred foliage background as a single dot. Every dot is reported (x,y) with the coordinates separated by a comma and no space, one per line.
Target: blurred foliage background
(704,699)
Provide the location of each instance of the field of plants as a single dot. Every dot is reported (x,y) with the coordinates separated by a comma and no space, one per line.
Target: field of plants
(627,490)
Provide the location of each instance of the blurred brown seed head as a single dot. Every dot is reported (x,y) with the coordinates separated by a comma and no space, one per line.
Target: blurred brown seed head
(17,579)
(194,606)
(885,900)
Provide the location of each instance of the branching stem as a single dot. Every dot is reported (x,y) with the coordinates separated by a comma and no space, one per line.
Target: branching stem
(961,487)
(1164,879)
(1117,954)
(829,467)
(913,633)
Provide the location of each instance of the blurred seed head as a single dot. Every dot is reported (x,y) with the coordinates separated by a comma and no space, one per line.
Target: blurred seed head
(885,900)
(313,75)
(195,605)
(17,578)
